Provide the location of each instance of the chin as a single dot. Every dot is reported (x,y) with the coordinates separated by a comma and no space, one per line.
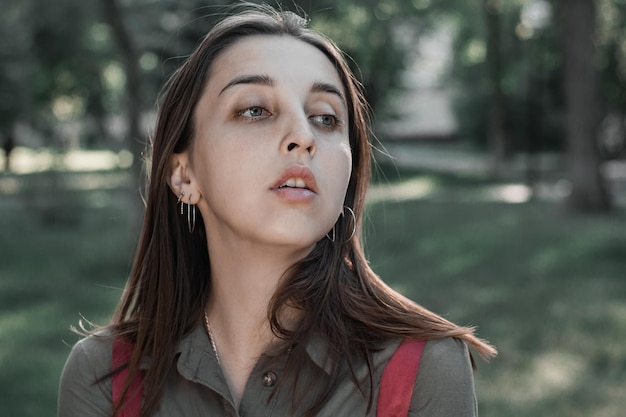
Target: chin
(297,242)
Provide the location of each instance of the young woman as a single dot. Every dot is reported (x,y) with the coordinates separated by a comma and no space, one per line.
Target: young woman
(250,294)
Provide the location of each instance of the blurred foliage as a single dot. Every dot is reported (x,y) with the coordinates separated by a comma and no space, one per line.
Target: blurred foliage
(532,74)
(53,62)
(531,78)
(59,63)
(611,38)
(376,36)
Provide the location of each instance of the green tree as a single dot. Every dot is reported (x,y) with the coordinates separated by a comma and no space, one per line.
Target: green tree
(51,66)
(14,62)
(499,61)
(589,191)
(611,58)
(377,36)
(495,130)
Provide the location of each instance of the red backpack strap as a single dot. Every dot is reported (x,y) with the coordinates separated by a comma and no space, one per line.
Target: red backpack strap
(396,384)
(122,351)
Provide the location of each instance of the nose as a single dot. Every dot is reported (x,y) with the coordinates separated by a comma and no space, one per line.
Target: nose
(299,136)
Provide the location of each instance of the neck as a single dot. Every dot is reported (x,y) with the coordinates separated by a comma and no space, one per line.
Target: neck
(238,304)
(243,282)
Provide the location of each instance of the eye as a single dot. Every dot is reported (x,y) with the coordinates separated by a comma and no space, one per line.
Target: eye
(253,112)
(326,120)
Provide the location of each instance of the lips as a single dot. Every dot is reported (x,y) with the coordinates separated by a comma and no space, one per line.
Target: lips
(296,177)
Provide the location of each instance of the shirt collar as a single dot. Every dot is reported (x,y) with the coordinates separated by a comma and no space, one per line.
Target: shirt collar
(197,361)
(318,349)
(192,347)
(195,348)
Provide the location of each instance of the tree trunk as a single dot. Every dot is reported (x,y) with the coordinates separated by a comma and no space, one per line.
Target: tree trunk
(496,136)
(130,59)
(588,191)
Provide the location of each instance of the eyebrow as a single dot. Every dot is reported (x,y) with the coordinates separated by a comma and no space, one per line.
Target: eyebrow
(248,79)
(320,87)
(317,87)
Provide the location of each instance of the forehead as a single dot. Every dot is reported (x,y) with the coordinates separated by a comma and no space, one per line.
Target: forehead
(287,59)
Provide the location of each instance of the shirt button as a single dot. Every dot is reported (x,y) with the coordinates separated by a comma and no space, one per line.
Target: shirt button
(269,379)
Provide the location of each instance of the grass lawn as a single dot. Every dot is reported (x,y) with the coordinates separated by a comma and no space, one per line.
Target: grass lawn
(548,288)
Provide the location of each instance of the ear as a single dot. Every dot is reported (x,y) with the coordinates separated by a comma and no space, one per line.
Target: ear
(181,179)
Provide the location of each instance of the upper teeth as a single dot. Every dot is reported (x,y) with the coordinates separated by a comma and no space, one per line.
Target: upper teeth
(294,182)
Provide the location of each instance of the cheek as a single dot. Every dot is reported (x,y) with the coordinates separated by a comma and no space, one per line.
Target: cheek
(342,170)
(347,160)
(210,168)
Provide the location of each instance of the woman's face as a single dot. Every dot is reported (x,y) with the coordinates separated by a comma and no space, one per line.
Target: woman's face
(271,156)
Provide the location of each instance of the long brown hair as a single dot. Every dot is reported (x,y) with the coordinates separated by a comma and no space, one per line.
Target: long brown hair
(338,294)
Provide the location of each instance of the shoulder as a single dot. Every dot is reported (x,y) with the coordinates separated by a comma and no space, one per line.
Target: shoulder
(445,381)
(447,355)
(79,392)
(92,353)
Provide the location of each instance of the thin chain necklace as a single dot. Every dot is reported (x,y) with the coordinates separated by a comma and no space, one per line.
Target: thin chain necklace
(208,329)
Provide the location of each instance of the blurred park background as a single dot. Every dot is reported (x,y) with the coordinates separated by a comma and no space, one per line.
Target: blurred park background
(499,198)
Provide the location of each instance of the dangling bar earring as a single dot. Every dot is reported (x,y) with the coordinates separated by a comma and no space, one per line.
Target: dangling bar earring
(180,200)
(191,218)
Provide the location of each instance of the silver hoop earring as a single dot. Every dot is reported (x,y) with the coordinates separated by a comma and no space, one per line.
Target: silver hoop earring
(332,239)
(353,223)
(191,218)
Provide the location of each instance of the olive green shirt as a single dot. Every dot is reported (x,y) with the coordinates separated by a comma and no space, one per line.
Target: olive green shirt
(196,386)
